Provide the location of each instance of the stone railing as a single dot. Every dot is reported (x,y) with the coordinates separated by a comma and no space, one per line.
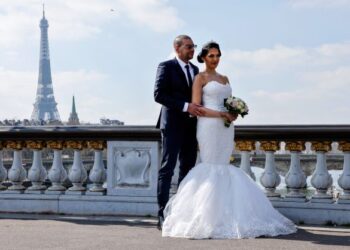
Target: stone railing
(295,137)
(322,207)
(128,184)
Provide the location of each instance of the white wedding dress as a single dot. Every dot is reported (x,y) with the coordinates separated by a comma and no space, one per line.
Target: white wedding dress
(216,199)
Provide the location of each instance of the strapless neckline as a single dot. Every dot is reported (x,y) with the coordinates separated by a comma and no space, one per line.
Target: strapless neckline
(216,83)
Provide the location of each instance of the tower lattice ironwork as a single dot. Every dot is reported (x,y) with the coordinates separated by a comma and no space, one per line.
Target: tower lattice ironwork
(45,106)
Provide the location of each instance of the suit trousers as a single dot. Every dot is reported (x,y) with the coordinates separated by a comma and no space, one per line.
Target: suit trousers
(177,144)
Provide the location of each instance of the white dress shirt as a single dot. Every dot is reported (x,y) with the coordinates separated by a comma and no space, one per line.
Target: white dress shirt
(182,65)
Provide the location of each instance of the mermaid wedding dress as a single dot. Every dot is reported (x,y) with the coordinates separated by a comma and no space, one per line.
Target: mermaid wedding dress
(216,199)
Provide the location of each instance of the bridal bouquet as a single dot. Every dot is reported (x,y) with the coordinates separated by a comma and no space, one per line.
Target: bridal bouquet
(235,106)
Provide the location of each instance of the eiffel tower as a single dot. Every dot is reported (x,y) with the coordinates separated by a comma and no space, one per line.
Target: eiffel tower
(45,106)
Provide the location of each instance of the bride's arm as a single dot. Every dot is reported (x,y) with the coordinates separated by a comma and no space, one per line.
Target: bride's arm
(197,90)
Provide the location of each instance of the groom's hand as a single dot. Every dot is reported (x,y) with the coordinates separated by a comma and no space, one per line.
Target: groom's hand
(195,109)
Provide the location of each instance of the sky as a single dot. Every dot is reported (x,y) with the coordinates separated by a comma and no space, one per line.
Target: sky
(288,59)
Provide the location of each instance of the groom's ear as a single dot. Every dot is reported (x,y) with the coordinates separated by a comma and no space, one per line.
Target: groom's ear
(176,48)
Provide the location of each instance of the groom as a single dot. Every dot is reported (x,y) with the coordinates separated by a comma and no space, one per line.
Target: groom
(177,120)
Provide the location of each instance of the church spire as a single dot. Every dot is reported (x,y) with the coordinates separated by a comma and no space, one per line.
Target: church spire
(73,117)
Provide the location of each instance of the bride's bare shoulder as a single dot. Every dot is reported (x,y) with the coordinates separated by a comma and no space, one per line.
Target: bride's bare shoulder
(224,79)
(201,78)
(201,75)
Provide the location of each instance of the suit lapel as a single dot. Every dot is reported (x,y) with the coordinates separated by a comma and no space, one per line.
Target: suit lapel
(180,72)
(195,69)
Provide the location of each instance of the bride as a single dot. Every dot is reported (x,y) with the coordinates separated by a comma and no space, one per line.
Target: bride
(216,199)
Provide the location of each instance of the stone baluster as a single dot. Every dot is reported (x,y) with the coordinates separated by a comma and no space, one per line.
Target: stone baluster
(344,179)
(37,173)
(321,180)
(295,178)
(3,171)
(270,179)
(57,173)
(98,172)
(17,172)
(77,174)
(245,147)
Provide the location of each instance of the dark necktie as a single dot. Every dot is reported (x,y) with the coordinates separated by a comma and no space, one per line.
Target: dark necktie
(189,77)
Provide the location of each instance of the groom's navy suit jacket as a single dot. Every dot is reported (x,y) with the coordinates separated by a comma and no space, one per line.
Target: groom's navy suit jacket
(172,91)
(178,128)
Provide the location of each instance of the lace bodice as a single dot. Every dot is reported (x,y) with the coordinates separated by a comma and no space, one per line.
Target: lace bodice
(214,139)
(214,94)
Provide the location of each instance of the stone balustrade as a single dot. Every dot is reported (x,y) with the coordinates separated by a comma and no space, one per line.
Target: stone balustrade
(128,183)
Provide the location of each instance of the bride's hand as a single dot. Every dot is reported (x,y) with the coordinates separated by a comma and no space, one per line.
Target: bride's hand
(195,109)
(234,117)
(228,116)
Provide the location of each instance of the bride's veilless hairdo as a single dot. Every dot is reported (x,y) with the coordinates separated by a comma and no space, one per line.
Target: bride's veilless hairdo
(205,49)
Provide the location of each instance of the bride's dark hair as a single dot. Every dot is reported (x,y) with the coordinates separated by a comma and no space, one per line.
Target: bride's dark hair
(205,49)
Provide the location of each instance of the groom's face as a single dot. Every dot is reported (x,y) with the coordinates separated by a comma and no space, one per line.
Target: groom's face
(185,51)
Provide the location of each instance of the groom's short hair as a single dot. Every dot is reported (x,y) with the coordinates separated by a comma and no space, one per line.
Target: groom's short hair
(179,39)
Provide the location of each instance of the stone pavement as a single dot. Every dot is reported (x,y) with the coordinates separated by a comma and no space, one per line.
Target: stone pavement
(21,231)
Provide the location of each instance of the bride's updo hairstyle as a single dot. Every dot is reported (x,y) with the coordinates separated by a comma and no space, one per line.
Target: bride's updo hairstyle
(205,49)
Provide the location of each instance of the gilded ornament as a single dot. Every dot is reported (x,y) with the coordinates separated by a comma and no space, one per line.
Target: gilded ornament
(269,145)
(16,145)
(97,145)
(78,145)
(59,145)
(245,145)
(35,144)
(297,146)
(323,146)
(344,146)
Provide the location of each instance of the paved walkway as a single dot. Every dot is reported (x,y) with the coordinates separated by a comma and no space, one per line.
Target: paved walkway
(18,231)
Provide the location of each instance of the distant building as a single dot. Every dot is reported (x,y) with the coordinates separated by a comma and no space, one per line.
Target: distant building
(108,122)
(73,117)
(45,106)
